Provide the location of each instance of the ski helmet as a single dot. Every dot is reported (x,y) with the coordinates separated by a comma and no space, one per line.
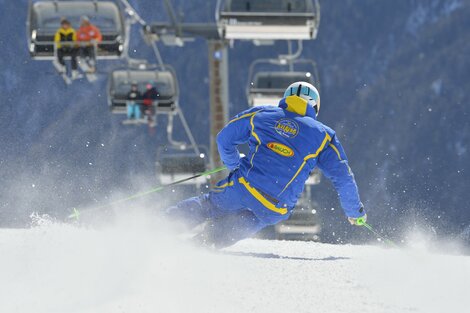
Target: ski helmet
(306,91)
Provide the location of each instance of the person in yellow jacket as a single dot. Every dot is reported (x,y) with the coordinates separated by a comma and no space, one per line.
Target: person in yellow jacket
(65,41)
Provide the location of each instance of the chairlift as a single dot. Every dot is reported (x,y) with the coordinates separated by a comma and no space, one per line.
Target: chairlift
(267,87)
(44,18)
(303,224)
(268,19)
(177,163)
(163,79)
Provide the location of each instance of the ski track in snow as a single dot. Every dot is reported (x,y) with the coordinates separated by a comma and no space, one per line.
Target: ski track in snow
(134,265)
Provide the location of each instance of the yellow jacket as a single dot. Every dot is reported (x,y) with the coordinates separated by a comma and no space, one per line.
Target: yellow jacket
(65,35)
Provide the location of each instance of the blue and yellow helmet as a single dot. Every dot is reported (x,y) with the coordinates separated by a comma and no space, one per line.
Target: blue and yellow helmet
(306,91)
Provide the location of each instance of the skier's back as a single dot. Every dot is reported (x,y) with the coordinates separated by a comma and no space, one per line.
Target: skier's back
(286,143)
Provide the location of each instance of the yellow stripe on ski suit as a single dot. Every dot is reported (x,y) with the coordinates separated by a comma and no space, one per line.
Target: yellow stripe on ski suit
(339,157)
(253,133)
(243,116)
(225,185)
(222,187)
(308,157)
(336,150)
(255,193)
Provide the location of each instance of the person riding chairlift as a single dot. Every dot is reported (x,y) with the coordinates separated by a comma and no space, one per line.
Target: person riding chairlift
(150,95)
(133,107)
(88,36)
(64,40)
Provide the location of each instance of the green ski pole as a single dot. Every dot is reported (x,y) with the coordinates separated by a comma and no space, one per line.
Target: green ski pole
(76,213)
(361,222)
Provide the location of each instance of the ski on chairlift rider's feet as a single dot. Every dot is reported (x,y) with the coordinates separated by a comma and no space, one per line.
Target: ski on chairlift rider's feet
(76,75)
(152,124)
(91,66)
(151,121)
(91,72)
(62,71)
(130,121)
(87,66)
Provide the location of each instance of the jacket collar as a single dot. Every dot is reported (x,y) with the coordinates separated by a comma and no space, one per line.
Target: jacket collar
(298,106)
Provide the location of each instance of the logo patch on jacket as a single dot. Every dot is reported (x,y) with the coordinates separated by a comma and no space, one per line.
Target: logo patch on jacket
(287,128)
(281,149)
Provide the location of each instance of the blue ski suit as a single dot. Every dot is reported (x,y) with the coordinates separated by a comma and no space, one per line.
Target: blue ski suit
(286,143)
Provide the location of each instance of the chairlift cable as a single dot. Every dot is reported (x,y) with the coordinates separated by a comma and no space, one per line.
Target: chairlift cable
(139,19)
(169,131)
(317,13)
(142,22)
(188,131)
(157,53)
(174,20)
(217,9)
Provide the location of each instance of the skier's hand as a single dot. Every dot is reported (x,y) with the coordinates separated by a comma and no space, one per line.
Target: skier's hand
(232,172)
(358,221)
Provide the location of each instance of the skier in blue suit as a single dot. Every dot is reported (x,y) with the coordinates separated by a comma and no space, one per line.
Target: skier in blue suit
(286,144)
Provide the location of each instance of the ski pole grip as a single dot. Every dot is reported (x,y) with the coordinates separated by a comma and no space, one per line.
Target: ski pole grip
(361,221)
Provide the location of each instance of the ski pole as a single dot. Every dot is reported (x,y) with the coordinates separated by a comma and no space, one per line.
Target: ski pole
(388,241)
(361,222)
(76,213)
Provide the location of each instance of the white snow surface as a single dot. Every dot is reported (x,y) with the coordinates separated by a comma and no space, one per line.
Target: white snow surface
(135,265)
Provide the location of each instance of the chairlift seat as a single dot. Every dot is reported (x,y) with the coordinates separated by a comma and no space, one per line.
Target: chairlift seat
(268,87)
(182,165)
(173,168)
(120,82)
(302,224)
(268,20)
(44,21)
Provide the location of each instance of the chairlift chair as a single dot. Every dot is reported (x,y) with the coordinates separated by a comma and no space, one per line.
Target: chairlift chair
(304,222)
(268,87)
(44,20)
(268,19)
(120,81)
(177,163)
(163,78)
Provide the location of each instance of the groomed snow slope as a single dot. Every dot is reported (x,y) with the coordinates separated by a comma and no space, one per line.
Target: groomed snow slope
(135,266)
